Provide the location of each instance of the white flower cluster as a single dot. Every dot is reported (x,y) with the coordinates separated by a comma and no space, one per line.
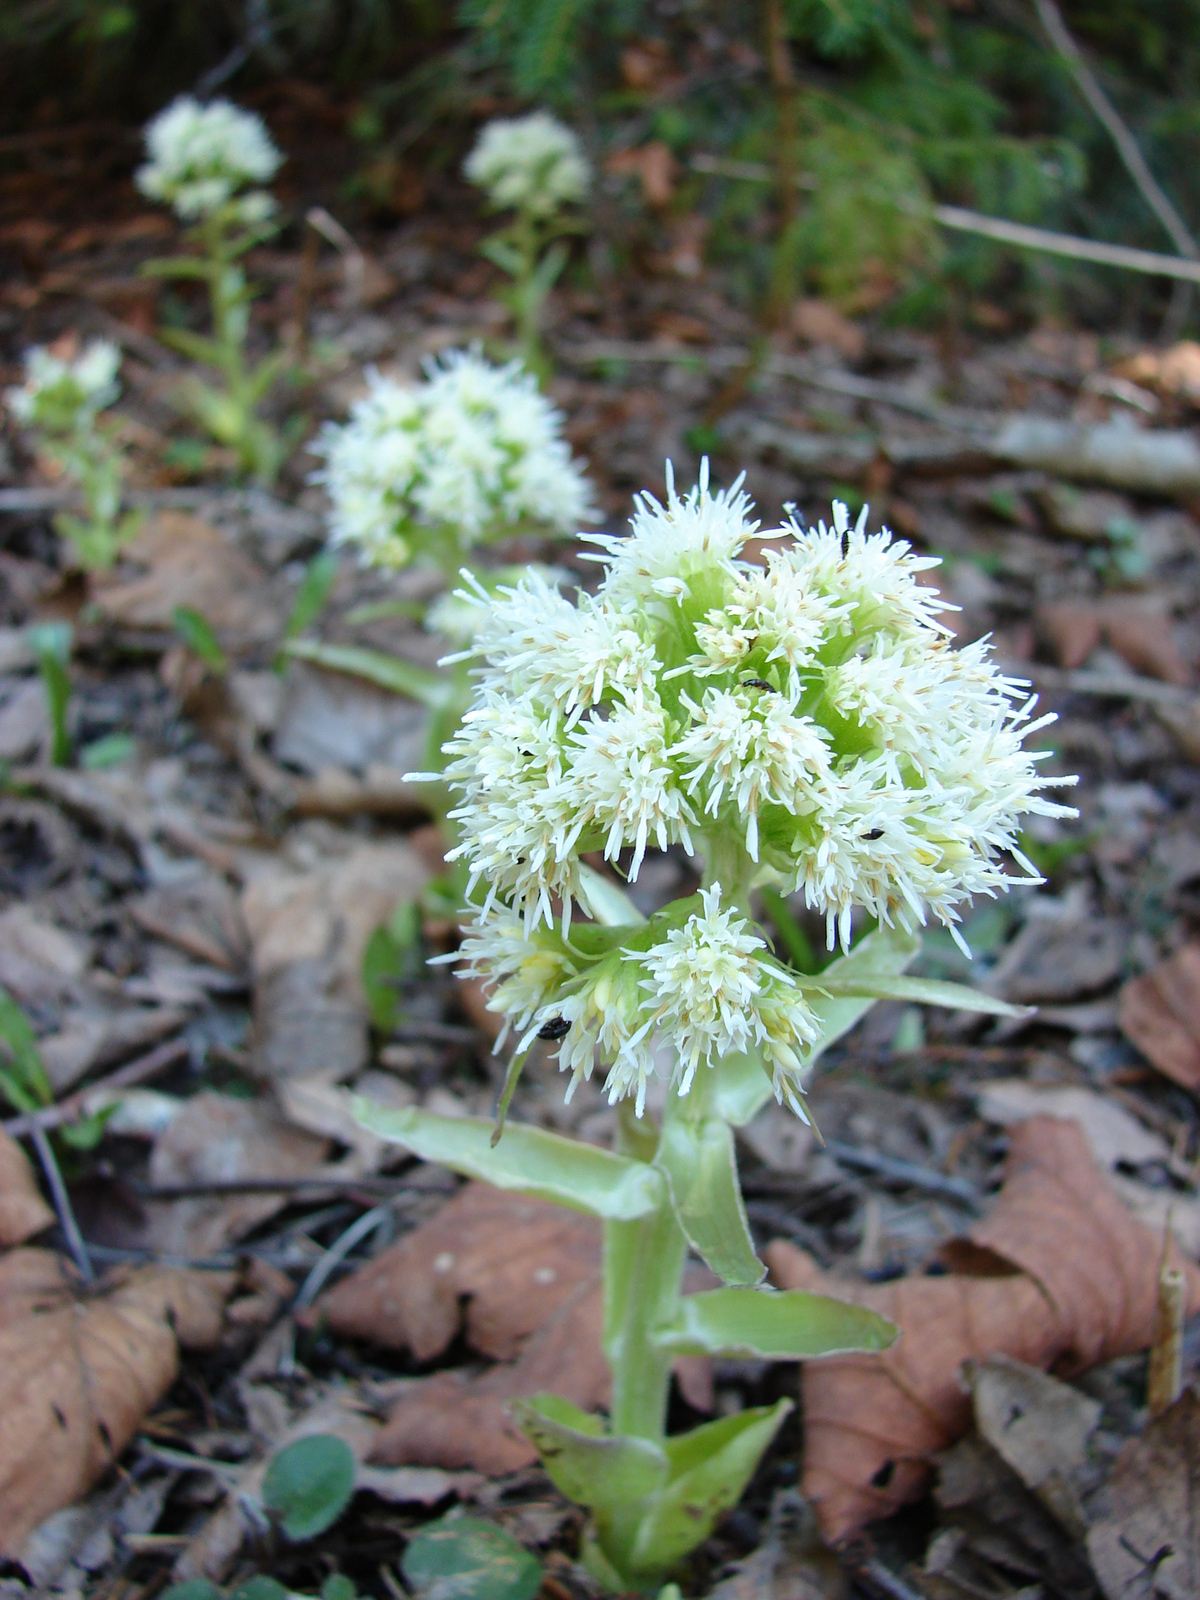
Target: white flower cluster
(804,723)
(62,394)
(531,164)
(708,985)
(201,156)
(474,453)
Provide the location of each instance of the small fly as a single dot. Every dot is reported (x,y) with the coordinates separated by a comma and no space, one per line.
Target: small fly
(873,833)
(759,683)
(554,1028)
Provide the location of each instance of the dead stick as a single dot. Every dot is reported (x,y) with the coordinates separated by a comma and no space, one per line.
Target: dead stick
(1127,257)
(1164,1383)
(62,1205)
(133,1072)
(1106,113)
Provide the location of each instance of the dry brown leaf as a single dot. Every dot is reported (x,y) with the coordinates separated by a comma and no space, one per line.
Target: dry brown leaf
(1072,631)
(1146,641)
(308,930)
(41,964)
(1147,1542)
(819,322)
(454,1421)
(219,1139)
(1160,1014)
(524,1277)
(329,721)
(23,1212)
(653,164)
(1141,633)
(1076,1286)
(79,1372)
(188,562)
(97,1032)
(1175,371)
(514,1261)
(199,914)
(1040,1428)
(24,721)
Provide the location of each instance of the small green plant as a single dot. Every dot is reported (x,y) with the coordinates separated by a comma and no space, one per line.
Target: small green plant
(465,1558)
(51,644)
(194,628)
(533,167)
(62,402)
(309,1484)
(201,161)
(25,1084)
(311,596)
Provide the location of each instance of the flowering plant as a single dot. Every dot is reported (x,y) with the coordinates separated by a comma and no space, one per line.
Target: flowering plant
(62,402)
(471,455)
(803,724)
(532,166)
(202,157)
(202,161)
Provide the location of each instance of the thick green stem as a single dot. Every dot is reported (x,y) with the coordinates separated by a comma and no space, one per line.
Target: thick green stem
(643,1274)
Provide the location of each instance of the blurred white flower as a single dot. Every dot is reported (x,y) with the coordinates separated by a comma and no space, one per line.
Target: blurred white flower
(532,164)
(61,394)
(474,453)
(201,156)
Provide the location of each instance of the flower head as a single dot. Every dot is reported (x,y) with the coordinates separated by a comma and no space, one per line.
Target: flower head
(532,164)
(201,156)
(805,723)
(472,454)
(62,394)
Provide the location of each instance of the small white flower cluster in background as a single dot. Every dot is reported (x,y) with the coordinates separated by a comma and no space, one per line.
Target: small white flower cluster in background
(472,454)
(531,164)
(201,156)
(62,394)
(804,724)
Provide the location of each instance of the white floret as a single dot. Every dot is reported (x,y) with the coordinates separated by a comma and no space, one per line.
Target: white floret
(531,164)
(201,156)
(472,453)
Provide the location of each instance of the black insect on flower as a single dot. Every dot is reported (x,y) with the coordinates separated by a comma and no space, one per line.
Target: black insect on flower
(554,1028)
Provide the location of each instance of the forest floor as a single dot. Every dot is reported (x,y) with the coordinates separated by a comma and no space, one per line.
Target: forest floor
(185,915)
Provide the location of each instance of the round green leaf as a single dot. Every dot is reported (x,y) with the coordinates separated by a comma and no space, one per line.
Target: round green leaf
(467,1559)
(259,1589)
(309,1484)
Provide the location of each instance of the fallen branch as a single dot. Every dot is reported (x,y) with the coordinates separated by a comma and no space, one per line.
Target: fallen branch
(133,1072)
(1106,113)
(1024,237)
(1108,685)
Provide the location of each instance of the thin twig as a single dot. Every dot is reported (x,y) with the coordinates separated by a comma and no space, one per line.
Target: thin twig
(341,1247)
(1108,685)
(999,228)
(333,1184)
(1106,113)
(722,357)
(62,1205)
(907,1173)
(133,1072)
(881,1579)
(353,261)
